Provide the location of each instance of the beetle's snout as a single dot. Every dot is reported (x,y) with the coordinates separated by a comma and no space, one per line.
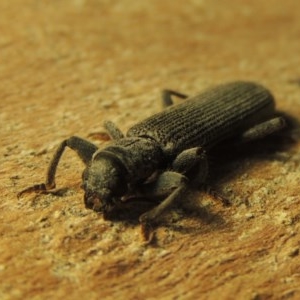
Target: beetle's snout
(92,201)
(97,202)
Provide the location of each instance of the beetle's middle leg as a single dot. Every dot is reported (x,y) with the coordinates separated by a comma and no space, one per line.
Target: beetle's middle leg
(83,148)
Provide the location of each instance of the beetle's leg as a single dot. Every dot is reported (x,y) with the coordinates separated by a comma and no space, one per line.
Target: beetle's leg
(193,163)
(186,162)
(114,132)
(263,129)
(166,182)
(85,151)
(162,186)
(172,183)
(188,159)
(190,168)
(167,97)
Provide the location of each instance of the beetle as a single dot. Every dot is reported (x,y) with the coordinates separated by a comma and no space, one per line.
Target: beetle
(166,153)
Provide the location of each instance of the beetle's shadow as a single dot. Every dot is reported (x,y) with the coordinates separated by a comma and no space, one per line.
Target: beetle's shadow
(195,214)
(181,217)
(130,211)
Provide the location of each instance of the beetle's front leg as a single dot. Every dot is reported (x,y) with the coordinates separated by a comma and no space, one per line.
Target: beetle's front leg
(83,148)
(171,183)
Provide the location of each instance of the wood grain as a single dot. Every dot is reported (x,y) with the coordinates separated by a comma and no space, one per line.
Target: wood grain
(65,67)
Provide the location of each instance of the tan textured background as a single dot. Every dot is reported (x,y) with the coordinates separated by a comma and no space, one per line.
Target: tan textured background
(68,64)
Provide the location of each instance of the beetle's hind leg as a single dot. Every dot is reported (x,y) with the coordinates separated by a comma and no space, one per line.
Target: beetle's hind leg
(167,97)
(83,148)
(263,129)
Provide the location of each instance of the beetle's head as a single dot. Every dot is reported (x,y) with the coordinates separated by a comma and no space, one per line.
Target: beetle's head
(104,184)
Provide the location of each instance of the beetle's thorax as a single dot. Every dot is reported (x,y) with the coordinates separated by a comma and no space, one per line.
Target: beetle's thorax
(140,156)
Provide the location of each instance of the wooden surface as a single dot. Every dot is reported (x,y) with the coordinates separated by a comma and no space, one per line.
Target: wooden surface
(66,65)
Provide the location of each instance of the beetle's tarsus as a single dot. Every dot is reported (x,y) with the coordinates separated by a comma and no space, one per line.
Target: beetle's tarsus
(35,188)
(42,189)
(147,232)
(216,195)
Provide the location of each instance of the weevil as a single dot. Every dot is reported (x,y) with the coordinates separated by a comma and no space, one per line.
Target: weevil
(167,152)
